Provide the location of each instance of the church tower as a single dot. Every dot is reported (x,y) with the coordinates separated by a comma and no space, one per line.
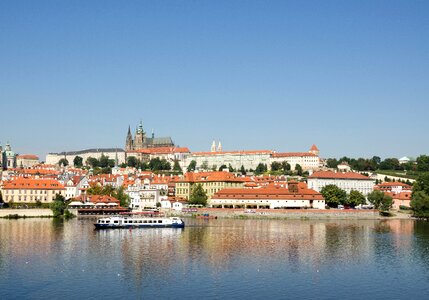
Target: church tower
(129,141)
(140,138)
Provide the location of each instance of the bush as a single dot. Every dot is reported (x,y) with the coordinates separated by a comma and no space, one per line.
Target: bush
(403,207)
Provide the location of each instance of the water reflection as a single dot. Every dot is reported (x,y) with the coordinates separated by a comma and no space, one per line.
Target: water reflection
(143,260)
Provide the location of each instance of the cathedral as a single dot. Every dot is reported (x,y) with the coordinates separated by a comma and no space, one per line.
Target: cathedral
(141,141)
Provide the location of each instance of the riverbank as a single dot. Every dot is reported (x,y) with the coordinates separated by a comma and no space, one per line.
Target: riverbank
(26,213)
(338,214)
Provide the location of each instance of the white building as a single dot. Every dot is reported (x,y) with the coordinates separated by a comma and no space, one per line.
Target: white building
(214,160)
(142,198)
(112,153)
(347,181)
(296,195)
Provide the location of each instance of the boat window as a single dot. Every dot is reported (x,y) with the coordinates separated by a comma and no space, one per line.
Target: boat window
(150,221)
(144,221)
(116,222)
(140,221)
(159,221)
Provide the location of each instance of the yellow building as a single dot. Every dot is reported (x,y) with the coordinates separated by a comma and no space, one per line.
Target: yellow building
(212,182)
(24,190)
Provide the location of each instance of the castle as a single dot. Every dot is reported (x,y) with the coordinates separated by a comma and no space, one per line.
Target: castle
(141,141)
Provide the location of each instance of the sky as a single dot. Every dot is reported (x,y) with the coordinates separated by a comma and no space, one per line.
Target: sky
(351,77)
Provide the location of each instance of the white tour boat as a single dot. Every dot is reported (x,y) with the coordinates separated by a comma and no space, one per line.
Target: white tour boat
(139,222)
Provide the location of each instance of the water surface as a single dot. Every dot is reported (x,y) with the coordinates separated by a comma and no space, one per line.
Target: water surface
(216,259)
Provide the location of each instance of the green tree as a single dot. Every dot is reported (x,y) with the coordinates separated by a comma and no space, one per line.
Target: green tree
(230,168)
(242,170)
(63,162)
(205,165)
(286,166)
(198,195)
(355,198)
(276,166)
(386,203)
(333,195)
(420,205)
(92,161)
(176,166)
(423,163)
(78,161)
(298,169)
(376,198)
(222,167)
(192,166)
(103,161)
(132,161)
(421,184)
(260,168)
(58,206)
(124,199)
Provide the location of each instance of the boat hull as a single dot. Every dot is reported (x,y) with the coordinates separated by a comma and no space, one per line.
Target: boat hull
(131,226)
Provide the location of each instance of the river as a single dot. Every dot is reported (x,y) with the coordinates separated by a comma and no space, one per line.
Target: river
(216,259)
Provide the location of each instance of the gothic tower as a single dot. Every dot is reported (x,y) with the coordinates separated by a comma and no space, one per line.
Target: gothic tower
(129,141)
(140,138)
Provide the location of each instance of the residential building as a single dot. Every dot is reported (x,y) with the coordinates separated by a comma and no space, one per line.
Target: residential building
(294,195)
(29,190)
(211,182)
(393,187)
(347,181)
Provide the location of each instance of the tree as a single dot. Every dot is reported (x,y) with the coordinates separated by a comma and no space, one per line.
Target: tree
(63,162)
(124,199)
(423,163)
(192,166)
(198,195)
(58,206)
(132,161)
(242,170)
(230,168)
(222,167)
(421,184)
(275,166)
(93,162)
(355,198)
(333,195)
(78,161)
(386,203)
(298,169)
(376,198)
(205,165)
(176,166)
(260,168)
(286,166)
(420,205)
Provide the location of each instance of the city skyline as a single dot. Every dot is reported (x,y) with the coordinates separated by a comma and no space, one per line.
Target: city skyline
(351,78)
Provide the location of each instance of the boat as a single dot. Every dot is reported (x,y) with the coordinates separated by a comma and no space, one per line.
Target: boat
(139,222)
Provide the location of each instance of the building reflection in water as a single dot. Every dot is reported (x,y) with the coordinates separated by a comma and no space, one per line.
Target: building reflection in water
(144,257)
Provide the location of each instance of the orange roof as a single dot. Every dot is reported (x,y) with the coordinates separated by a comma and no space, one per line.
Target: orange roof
(339,175)
(400,196)
(314,148)
(97,199)
(290,154)
(268,193)
(239,152)
(393,184)
(33,184)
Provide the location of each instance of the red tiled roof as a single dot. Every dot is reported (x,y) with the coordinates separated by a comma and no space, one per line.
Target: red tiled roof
(314,148)
(33,184)
(339,175)
(268,193)
(292,154)
(211,176)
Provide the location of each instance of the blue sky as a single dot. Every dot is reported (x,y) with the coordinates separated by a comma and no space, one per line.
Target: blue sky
(349,76)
